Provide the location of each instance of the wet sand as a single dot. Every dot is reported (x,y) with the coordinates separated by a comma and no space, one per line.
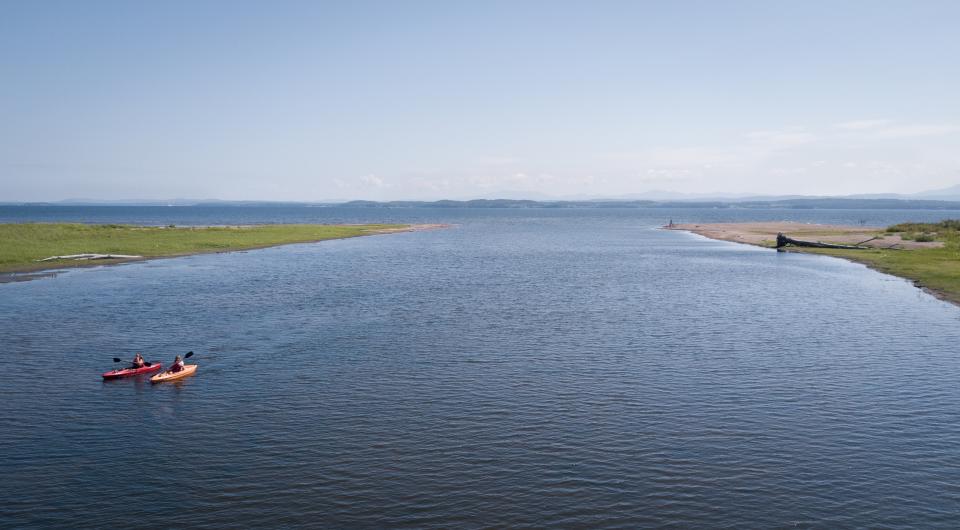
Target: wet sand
(764,234)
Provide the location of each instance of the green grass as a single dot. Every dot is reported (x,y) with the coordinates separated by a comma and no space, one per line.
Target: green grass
(937,269)
(947,225)
(21,244)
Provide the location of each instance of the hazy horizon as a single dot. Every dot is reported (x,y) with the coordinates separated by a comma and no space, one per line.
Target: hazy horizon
(304,101)
(951,194)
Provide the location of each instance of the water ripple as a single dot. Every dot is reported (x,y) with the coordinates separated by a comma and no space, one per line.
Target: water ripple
(575,370)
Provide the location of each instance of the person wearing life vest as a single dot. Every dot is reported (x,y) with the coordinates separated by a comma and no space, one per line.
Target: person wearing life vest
(177,365)
(138,361)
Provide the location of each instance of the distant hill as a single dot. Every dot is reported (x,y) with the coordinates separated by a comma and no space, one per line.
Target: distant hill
(854,204)
(944,199)
(829,203)
(946,194)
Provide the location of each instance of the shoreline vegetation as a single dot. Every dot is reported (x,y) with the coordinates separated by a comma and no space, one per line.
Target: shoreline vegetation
(928,254)
(28,247)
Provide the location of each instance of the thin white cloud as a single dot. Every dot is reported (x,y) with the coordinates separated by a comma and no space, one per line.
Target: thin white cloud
(860,125)
(846,157)
(778,139)
(665,176)
(373,181)
(913,131)
(889,129)
(676,156)
(751,150)
(498,160)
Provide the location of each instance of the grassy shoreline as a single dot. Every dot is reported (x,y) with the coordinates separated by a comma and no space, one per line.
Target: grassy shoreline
(928,253)
(22,244)
(936,271)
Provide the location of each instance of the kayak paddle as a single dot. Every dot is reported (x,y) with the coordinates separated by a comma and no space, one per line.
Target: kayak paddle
(145,363)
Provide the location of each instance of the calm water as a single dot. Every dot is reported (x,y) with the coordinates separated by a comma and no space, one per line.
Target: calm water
(524,368)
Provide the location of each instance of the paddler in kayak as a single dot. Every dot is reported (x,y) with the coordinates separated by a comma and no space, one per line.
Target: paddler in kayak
(176,366)
(138,361)
(178,371)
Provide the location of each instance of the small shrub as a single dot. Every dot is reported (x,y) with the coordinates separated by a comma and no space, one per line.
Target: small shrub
(950,225)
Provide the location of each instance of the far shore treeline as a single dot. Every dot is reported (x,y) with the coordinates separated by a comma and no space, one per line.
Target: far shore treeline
(798,203)
(791,204)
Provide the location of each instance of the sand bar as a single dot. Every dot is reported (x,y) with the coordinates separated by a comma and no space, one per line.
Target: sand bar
(33,250)
(764,234)
(933,266)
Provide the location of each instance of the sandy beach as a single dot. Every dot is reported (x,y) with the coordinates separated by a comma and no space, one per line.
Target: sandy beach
(930,265)
(764,234)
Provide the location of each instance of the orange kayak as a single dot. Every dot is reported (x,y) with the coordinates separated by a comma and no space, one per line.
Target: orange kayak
(187,371)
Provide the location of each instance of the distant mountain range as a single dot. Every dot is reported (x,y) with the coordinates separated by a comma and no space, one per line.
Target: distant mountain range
(828,203)
(837,203)
(942,199)
(946,194)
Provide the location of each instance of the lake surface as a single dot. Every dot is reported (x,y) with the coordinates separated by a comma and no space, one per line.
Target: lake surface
(528,368)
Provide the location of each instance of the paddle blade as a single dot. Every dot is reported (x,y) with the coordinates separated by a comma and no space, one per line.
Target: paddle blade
(188,355)
(145,363)
(116,360)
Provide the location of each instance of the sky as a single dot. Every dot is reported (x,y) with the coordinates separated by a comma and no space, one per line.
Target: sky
(317,101)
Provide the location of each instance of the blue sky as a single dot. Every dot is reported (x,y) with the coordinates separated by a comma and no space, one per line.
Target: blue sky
(425,100)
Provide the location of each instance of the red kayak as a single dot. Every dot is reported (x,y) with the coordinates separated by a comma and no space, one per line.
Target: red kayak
(129,372)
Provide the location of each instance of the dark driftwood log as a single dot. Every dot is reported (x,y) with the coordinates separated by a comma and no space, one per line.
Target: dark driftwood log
(783,241)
